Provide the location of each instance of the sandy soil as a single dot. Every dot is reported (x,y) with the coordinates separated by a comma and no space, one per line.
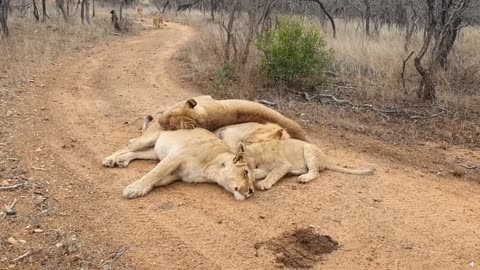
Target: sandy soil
(88,106)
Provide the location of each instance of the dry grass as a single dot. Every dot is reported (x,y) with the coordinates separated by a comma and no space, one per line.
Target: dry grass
(370,69)
(34,45)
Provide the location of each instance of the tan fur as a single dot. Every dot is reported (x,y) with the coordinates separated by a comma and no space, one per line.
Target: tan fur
(250,133)
(158,21)
(194,156)
(140,12)
(222,113)
(274,159)
(211,114)
(230,135)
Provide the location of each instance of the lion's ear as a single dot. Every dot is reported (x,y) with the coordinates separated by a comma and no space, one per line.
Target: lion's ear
(191,103)
(188,124)
(240,156)
(241,148)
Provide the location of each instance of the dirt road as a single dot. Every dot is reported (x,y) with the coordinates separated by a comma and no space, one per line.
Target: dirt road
(89,106)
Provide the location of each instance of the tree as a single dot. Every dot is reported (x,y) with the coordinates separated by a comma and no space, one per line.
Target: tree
(4,7)
(442,34)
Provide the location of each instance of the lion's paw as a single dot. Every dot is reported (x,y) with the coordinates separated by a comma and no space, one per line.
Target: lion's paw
(135,190)
(263,185)
(305,178)
(122,163)
(108,162)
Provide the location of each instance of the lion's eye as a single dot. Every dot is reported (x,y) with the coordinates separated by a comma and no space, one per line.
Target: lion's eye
(245,172)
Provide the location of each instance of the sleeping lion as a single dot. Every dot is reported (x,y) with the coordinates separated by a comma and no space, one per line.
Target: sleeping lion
(193,156)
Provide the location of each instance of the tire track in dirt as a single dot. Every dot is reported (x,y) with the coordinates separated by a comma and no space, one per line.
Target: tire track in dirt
(398,218)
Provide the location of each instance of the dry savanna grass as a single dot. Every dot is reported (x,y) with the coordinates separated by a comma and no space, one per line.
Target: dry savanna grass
(367,71)
(34,44)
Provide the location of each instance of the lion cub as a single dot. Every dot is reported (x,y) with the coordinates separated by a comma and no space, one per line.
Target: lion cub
(158,21)
(193,156)
(274,159)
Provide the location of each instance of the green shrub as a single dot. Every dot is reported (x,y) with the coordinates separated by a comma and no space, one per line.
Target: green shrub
(223,77)
(294,51)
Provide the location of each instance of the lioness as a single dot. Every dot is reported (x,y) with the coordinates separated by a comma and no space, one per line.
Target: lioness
(211,114)
(274,159)
(230,135)
(158,21)
(140,12)
(194,156)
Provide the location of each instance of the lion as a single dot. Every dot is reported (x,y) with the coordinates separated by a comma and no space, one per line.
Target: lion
(211,114)
(249,133)
(272,160)
(221,113)
(140,12)
(194,156)
(231,135)
(158,21)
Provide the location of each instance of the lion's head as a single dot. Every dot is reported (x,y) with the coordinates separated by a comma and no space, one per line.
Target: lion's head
(238,179)
(181,116)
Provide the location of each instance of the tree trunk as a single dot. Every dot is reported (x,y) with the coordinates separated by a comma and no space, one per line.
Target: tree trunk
(35,11)
(44,10)
(93,8)
(212,10)
(87,11)
(4,7)
(165,6)
(61,6)
(368,14)
(82,11)
(426,89)
(229,30)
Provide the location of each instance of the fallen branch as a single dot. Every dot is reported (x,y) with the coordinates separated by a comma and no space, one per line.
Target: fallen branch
(385,113)
(12,187)
(39,169)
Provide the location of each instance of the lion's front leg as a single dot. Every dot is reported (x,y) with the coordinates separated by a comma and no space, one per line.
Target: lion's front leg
(274,176)
(161,175)
(259,174)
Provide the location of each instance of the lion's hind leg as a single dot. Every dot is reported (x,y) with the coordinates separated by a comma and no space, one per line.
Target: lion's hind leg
(313,161)
(161,175)
(124,159)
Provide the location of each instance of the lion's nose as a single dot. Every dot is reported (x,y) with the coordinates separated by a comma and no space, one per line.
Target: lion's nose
(250,190)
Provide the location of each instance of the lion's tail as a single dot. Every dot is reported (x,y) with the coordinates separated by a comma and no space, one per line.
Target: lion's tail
(249,111)
(336,168)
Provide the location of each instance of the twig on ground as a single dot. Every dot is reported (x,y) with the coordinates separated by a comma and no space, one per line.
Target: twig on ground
(402,75)
(267,102)
(470,167)
(39,169)
(118,254)
(24,255)
(12,187)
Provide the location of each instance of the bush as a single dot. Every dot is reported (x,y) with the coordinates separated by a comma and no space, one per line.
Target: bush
(294,51)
